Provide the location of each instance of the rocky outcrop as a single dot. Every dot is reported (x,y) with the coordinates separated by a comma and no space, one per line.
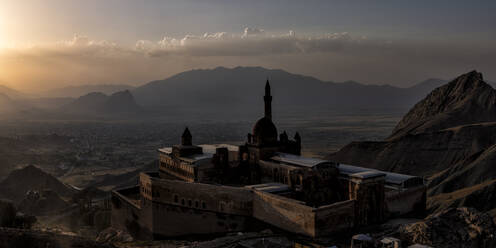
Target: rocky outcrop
(111,235)
(449,137)
(456,227)
(42,203)
(452,126)
(465,100)
(481,197)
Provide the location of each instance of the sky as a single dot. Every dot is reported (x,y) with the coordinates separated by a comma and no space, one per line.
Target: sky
(53,43)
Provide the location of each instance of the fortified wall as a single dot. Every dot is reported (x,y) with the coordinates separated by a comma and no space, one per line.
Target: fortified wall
(271,184)
(176,208)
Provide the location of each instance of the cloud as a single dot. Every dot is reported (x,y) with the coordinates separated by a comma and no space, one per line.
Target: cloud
(252,32)
(330,56)
(252,42)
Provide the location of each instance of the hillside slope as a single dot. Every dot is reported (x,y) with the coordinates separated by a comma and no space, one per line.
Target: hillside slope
(449,137)
(465,100)
(420,154)
(19,182)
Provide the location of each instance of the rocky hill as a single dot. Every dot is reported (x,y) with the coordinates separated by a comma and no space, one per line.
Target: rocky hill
(100,104)
(21,181)
(455,227)
(465,100)
(449,137)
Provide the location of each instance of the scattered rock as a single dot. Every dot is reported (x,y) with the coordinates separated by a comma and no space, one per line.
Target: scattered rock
(111,235)
(19,182)
(455,227)
(42,203)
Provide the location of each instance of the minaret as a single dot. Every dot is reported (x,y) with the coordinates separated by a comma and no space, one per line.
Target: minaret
(268,101)
(297,138)
(186,138)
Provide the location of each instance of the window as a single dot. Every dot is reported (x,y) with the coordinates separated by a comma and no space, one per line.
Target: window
(182,201)
(176,198)
(204,206)
(189,203)
(196,204)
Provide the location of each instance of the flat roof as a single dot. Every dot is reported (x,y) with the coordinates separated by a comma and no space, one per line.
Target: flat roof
(368,174)
(270,187)
(362,237)
(210,148)
(391,177)
(197,157)
(191,158)
(166,150)
(297,160)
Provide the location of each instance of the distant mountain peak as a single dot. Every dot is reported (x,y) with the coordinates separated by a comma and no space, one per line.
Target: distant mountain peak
(81,90)
(465,100)
(99,103)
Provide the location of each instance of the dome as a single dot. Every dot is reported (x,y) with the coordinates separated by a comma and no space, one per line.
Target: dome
(264,131)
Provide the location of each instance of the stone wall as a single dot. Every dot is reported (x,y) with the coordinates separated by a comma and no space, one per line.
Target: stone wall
(333,218)
(370,200)
(215,198)
(172,221)
(295,216)
(285,213)
(182,208)
(167,208)
(406,201)
(128,215)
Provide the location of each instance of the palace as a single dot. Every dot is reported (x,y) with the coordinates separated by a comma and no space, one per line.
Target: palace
(221,188)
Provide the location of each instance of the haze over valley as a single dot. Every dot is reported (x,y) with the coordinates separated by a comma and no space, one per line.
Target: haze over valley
(213,123)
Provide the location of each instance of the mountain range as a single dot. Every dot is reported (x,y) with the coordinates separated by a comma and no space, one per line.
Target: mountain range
(81,90)
(240,89)
(224,92)
(96,103)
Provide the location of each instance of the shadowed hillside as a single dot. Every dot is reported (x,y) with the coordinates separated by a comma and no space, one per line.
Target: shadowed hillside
(449,136)
(19,182)
(465,100)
